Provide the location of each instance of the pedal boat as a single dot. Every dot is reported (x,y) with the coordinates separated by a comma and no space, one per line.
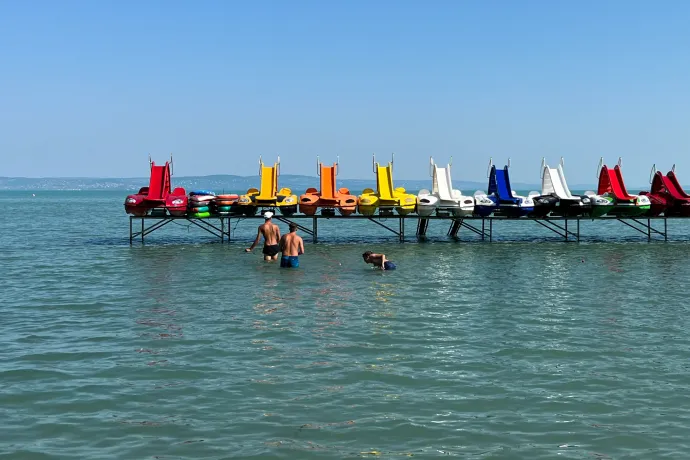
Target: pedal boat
(443,200)
(385,198)
(329,198)
(159,194)
(269,196)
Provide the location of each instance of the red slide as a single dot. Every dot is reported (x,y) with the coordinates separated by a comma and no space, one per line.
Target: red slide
(611,181)
(674,188)
(159,185)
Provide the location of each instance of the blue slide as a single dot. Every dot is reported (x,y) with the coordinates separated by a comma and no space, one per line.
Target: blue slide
(499,185)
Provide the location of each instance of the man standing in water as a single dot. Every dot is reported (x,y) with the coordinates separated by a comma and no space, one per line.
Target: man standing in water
(271,234)
(291,245)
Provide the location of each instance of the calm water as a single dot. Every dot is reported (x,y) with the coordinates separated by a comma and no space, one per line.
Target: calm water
(187,349)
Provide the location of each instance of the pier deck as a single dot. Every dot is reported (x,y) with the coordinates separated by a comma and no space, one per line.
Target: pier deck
(568,228)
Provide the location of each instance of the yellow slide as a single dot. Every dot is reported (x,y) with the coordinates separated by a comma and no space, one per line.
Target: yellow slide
(269,183)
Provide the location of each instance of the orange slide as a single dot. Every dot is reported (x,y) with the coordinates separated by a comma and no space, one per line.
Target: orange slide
(329,198)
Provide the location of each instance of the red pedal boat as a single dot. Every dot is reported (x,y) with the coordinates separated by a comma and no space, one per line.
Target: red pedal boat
(158,195)
(667,195)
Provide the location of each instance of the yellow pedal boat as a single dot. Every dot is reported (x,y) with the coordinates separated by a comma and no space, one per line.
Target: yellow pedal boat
(385,198)
(269,196)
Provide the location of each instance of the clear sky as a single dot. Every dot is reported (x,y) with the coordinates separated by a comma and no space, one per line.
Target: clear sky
(89,88)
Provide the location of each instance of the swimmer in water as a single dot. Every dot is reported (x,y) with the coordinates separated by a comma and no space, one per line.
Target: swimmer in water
(378,261)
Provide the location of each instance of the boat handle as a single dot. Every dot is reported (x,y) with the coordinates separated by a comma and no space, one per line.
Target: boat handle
(491,163)
(150,162)
(620,162)
(601,163)
(373,162)
(562,163)
(318,166)
(392,160)
(171,165)
(673,168)
(278,166)
(451,161)
(337,164)
(431,166)
(509,162)
(261,163)
(651,174)
(543,163)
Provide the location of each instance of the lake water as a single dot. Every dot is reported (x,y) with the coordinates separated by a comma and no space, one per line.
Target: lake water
(184,348)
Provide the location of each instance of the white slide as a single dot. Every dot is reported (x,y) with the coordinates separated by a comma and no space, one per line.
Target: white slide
(442,197)
(553,181)
(443,184)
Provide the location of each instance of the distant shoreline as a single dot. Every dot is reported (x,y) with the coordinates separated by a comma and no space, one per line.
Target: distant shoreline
(232,183)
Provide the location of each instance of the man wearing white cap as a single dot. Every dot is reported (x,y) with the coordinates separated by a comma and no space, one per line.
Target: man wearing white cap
(271,234)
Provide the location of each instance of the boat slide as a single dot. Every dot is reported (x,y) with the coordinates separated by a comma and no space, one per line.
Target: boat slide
(505,201)
(443,199)
(328,198)
(385,198)
(612,188)
(159,193)
(269,196)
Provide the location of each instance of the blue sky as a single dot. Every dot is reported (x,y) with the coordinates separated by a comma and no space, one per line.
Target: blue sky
(90,88)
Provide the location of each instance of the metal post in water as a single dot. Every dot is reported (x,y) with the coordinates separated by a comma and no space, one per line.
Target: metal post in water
(142,230)
(665,230)
(649,229)
(566,229)
(315,230)
(130,231)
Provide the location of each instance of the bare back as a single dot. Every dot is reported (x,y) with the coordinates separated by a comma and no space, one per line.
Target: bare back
(270,232)
(292,245)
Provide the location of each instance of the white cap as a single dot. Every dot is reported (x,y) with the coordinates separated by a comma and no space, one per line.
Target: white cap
(268,215)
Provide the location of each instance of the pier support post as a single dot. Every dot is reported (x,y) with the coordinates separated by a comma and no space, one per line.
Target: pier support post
(142,231)
(315,230)
(665,230)
(422,225)
(401,232)
(649,230)
(130,231)
(566,229)
(454,228)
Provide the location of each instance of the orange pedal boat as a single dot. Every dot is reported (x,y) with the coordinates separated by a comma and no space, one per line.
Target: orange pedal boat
(329,198)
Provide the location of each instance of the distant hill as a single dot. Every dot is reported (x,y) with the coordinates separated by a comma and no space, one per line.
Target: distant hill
(230,183)
(219,183)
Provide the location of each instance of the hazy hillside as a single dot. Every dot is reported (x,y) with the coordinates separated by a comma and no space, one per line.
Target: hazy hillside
(219,183)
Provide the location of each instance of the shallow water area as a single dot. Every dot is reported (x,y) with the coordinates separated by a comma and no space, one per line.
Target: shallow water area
(187,348)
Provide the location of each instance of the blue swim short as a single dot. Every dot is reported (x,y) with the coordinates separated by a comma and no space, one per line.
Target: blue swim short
(289,262)
(388,265)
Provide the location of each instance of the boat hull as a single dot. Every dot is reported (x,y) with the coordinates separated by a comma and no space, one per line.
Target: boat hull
(544,205)
(573,208)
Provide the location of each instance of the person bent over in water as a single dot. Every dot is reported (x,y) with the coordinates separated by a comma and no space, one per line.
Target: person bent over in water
(291,245)
(271,234)
(378,260)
